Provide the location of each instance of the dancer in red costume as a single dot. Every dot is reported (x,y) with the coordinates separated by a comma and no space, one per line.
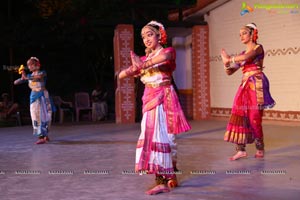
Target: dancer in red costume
(162,113)
(253,96)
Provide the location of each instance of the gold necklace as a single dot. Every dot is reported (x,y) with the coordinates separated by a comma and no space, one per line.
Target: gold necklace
(154,53)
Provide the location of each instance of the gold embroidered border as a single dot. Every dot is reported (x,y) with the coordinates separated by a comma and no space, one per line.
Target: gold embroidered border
(288,116)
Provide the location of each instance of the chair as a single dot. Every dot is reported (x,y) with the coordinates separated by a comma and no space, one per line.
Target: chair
(17,117)
(62,108)
(82,103)
(12,119)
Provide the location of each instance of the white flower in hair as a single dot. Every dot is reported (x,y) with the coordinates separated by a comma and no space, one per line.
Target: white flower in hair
(156,24)
(251,26)
(35,58)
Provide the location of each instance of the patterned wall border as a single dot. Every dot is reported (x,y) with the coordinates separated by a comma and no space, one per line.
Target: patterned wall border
(291,116)
(125,92)
(201,83)
(284,51)
(270,52)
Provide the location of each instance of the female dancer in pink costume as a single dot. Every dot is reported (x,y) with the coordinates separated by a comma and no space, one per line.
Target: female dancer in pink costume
(253,96)
(162,114)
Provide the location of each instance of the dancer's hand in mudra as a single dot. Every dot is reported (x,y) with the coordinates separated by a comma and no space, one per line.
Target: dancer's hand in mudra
(23,75)
(134,69)
(225,57)
(137,63)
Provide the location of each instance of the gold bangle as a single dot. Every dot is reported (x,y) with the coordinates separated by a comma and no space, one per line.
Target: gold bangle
(233,59)
(147,63)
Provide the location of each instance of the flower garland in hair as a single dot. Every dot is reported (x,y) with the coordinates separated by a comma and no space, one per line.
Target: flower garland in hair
(255,35)
(254,31)
(163,36)
(37,61)
(162,31)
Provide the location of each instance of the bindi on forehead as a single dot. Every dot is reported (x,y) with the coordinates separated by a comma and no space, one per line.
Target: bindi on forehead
(147,31)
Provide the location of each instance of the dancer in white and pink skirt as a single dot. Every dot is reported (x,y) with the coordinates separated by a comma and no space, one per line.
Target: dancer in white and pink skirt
(163,117)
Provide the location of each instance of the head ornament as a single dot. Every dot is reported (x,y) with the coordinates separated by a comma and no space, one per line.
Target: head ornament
(253,30)
(160,29)
(251,25)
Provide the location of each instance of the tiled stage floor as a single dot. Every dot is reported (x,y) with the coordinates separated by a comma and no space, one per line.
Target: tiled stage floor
(96,161)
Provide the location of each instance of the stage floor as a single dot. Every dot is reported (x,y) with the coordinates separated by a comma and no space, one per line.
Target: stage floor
(96,161)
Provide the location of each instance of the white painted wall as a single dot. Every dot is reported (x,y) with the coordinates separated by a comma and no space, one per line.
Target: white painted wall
(183,73)
(277,30)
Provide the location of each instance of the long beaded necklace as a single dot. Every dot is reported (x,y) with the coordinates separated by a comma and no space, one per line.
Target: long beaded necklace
(151,55)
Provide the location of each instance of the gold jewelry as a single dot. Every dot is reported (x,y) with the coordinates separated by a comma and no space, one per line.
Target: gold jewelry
(147,64)
(232,59)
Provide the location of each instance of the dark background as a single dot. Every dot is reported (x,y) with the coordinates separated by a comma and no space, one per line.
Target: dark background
(73,40)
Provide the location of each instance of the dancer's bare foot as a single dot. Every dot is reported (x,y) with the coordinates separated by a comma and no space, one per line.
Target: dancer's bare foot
(47,139)
(259,154)
(40,141)
(158,189)
(238,155)
(172,183)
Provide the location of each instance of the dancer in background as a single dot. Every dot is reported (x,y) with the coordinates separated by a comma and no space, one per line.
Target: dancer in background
(162,113)
(40,106)
(252,97)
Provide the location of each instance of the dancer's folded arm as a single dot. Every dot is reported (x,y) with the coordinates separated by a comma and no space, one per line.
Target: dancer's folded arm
(162,58)
(248,55)
(130,71)
(230,71)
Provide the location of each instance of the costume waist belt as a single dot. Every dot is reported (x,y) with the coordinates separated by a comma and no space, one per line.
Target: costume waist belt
(250,68)
(251,73)
(155,85)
